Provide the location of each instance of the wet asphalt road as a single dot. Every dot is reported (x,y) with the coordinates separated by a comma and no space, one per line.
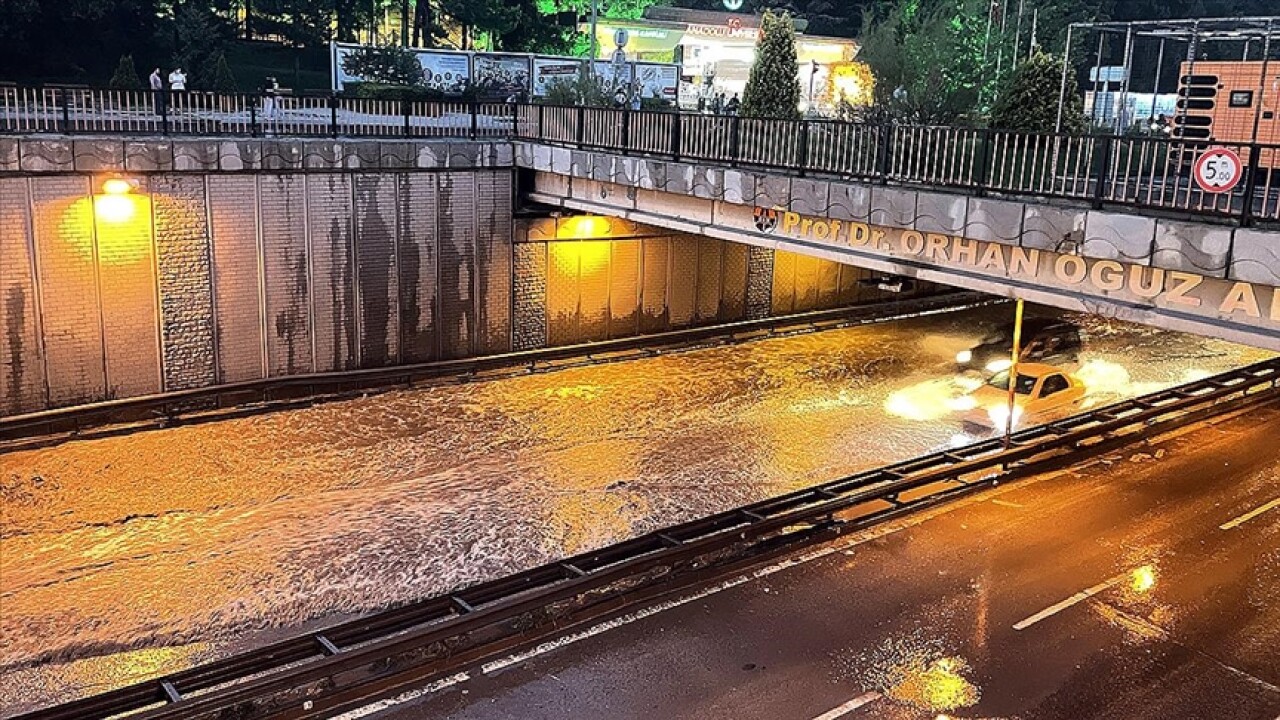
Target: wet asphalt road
(125,558)
(965,612)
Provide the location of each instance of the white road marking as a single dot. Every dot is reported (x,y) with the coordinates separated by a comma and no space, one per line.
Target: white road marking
(1059,607)
(1249,516)
(849,707)
(404,697)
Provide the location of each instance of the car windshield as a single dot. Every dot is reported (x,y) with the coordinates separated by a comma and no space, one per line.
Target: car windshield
(1024,385)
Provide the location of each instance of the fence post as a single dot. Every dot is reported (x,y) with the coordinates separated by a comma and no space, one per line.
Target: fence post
(163,94)
(406,107)
(882,157)
(982,174)
(542,123)
(475,119)
(580,131)
(626,130)
(65,98)
(333,115)
(1108,149)
(253,116)
(1250,186)
(733,140)
(677,120)
(803,150)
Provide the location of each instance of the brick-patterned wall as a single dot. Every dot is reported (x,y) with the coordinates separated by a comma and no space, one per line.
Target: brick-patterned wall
(417,266)
(333,271)
(530,287)
(185,277)
(759,282)
(376,222)
(237,277)
(22,387)
(127,289)
(287,273)
(457,229)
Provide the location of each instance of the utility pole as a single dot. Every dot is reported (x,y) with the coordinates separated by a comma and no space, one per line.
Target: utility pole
(595,11)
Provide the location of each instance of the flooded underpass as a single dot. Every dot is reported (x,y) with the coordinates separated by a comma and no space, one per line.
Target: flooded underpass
(132,556)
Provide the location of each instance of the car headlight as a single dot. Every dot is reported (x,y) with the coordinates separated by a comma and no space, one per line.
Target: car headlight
(999,415)
(1000,365)
(964,356)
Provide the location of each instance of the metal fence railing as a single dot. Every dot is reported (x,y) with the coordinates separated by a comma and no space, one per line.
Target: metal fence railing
(1144,172)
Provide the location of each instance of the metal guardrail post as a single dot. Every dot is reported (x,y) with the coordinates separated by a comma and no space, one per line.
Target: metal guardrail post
(1108,152)
(1250,186)
(65,100)
(734,123)
(406,107)
(542,122)
(626,131)
(803,150)
(885,143)
(982,173)
(677,121)
(253,117)
(580,131)
(475,119)
(164,111)
(333,116)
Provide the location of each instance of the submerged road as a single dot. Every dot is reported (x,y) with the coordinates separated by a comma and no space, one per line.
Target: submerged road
(1145,586)
(123,558)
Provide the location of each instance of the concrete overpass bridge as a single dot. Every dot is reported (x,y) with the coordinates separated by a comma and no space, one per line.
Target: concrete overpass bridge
(1113,226)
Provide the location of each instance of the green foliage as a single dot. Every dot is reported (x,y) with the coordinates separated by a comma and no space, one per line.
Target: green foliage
(381,91)
(126,75)
(773,89)
(928,59)
(582,90)
(302,23)
(1028,100)
(222,79)
(387,65)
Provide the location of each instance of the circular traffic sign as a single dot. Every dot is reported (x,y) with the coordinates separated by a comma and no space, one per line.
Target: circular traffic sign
(1218,170)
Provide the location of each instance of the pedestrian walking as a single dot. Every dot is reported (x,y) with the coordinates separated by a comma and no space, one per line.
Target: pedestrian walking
(717,105)
(157,91)
(733,105)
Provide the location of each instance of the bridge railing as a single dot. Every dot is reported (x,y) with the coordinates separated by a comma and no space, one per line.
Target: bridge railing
(1147,172)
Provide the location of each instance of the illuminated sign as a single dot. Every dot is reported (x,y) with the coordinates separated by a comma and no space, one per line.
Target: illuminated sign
(1137,284)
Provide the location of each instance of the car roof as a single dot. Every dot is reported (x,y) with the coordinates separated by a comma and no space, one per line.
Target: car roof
(1039,369)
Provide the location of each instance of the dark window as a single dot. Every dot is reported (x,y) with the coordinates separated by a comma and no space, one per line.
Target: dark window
(1241,98)
(1054,384)
(1024,385)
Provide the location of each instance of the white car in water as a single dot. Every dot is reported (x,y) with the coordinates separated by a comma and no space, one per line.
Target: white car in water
(1041,393)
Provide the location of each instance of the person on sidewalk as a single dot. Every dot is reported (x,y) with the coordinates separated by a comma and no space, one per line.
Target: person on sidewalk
(177,80)
(157,91)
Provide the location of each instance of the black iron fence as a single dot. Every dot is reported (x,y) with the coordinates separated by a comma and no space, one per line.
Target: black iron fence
(1142,172)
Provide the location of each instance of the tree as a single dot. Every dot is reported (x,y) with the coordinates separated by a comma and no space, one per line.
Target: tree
(222,80)
(1028,101)
(387,64)
(200,39)
(773,89)
(928,59)
(126,75)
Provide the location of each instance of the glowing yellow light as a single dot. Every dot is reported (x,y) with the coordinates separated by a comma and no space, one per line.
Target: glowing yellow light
(115,209)
(116,186)
(584,227)
(1142,579)
(939,685)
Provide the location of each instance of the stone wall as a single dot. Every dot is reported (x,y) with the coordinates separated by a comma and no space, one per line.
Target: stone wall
(199,279)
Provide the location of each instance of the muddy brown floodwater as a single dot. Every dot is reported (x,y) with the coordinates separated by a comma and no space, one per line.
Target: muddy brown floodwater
(127,557)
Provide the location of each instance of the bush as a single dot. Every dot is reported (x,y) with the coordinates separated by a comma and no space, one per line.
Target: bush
(1028,102)
(222,80)
(582,90)
(385,91)
(126,76)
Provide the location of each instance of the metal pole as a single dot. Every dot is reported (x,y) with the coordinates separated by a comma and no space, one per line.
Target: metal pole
(1193,49)
(595,11)
(1017,33)
(1155,90)
(1013,372)
(1097,75)
(1124,80)
(1262,82)
(1062,87)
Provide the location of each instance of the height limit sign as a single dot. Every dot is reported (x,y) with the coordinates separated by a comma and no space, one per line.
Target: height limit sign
(1218,170)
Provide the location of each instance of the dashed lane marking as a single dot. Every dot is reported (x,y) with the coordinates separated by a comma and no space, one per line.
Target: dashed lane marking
(849,707)
(1249,516)
(1059,607)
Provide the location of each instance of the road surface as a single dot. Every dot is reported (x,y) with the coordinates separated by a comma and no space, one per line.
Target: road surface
(122,558)
(1143,587)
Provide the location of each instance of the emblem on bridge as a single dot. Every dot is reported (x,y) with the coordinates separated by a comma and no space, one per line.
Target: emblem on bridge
(766,219)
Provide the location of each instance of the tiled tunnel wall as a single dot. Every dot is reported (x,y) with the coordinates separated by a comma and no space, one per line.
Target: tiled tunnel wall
(202,279)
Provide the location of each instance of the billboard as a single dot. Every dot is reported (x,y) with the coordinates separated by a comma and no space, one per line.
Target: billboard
(658,80)
(548,70)
(447,72)
(500,76)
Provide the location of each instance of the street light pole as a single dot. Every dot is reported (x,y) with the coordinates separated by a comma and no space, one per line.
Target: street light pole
(594,13)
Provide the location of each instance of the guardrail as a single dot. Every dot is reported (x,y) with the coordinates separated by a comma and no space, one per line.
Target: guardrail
(346,665)
(1141,172)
